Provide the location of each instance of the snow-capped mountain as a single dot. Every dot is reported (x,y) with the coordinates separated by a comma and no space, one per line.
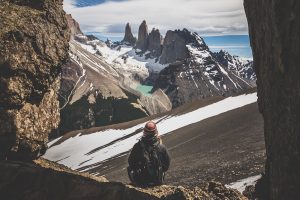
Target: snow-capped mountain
(104,81)
(100,81)
(195,72)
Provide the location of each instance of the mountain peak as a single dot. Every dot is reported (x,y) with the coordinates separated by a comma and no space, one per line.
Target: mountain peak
(155,42)
(128,37)
(175,45)
(142,36)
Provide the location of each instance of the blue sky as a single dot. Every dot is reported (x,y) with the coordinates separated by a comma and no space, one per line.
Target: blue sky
(84,3)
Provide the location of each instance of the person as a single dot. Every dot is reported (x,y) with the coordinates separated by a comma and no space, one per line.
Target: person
(149,159)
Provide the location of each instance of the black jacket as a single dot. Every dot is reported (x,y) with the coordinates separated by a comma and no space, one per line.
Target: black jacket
(136,157)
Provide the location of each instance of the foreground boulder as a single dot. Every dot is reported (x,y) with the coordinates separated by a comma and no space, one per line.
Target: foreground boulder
(32,182)
(52,181)
(274,27)
(33,46)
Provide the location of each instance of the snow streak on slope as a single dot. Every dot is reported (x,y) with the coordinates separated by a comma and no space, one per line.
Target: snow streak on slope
(124,56)
(86,150)
(241,185)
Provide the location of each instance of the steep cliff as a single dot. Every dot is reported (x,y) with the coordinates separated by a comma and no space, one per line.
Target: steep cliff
(73,26)
(274,27)
(155,43)
(128,37)
(142,42)
(33,47)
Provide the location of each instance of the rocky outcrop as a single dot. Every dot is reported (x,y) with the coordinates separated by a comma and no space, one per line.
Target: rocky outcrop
(155,43)
(274,27)
(174,46)
(52,181)
(30,181)
(33,47)
(142,42)
(158,102)
(244,68)
(73,26)
(129,38)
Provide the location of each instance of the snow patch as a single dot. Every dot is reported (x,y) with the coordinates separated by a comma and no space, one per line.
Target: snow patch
(85,150)
(241,185)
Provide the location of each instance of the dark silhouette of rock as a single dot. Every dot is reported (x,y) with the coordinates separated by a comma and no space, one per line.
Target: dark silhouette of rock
(73,26)
(142,42)
(129,38)
(174,46)
(274,28)
(33,47)
(155,42)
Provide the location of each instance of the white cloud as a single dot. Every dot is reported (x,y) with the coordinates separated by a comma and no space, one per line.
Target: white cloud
(208,17)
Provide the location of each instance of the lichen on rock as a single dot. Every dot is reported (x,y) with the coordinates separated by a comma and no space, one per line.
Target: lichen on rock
(33,46)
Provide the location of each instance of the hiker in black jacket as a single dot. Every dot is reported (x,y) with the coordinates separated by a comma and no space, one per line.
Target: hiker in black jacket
(149,159)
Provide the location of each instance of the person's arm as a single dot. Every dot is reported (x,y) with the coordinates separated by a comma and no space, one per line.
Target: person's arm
(165,159)
(132,159)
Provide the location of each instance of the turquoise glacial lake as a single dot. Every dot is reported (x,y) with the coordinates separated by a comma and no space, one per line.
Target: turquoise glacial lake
(144,89)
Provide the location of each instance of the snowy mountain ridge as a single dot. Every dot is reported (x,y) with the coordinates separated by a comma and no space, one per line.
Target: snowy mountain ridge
(104,80)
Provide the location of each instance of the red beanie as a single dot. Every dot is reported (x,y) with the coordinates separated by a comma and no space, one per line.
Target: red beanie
(150,129)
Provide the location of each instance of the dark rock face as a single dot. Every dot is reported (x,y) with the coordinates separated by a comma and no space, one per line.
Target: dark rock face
(274,28)
(174,46)
(142,42)
(33,46)
(242,67)
(155,42)
(129,38)
(73,26)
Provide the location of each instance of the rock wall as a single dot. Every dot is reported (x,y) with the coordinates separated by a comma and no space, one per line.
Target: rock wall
(174,47)
(155,42)
(274,27)
(33,46)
